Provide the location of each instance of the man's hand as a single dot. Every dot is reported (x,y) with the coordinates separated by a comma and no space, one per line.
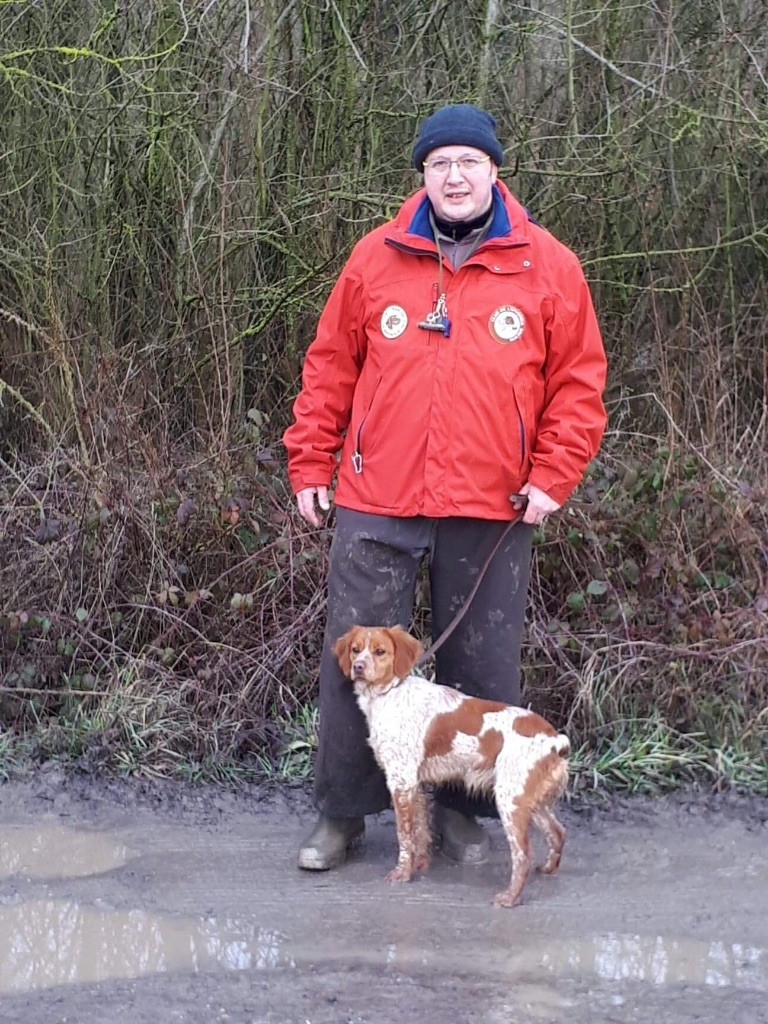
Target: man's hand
(539,505)
(305,499)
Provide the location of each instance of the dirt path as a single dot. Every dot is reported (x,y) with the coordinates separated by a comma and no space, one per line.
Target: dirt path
(128,903)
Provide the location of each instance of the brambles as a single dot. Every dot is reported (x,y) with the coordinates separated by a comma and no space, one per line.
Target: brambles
(181,187)
(151,645)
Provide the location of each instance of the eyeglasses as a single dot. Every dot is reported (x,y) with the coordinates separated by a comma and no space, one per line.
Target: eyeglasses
(466,164)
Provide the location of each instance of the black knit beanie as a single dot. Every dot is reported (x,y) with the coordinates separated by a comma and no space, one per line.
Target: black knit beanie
(458,125)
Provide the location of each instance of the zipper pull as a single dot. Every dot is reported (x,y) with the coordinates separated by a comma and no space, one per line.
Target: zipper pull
(357,462)
(438,320)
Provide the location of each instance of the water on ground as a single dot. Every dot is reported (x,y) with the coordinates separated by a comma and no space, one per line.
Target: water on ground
(133,904)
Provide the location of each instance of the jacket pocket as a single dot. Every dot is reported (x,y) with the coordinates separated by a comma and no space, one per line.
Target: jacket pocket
(525,424)
(363,428)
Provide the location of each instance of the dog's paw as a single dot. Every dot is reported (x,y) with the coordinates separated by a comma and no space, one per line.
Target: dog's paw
(506,899)
(549,868)
(551,864)
(399,874)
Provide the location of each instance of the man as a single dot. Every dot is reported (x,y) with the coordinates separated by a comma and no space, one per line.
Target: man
(457,365)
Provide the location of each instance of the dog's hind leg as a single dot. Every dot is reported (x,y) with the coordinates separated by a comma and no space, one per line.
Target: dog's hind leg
(556,780)
(544,818)
(517,826)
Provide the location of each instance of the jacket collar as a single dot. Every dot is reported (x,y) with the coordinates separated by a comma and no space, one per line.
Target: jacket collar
(509,225)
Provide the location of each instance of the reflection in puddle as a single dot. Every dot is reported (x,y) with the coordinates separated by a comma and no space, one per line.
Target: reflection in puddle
(49,943)
(660,961)
(55,852)
(56,942)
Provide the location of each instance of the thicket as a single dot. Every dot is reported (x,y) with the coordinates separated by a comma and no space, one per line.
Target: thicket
(181,183)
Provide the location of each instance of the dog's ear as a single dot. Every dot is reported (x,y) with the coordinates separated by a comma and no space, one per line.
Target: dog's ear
(408,650)
(343,654)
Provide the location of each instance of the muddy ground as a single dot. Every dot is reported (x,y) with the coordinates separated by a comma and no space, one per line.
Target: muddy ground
(137,903)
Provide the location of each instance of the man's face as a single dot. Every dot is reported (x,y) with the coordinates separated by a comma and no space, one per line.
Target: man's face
(457,194)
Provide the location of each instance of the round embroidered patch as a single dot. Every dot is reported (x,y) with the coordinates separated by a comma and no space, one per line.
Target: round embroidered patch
(394,321)
(507,324)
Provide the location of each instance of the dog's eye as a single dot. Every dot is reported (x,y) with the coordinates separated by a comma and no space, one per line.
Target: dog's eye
(355,649)
(379,652)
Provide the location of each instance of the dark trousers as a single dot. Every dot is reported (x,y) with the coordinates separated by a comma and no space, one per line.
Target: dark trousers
(374,566)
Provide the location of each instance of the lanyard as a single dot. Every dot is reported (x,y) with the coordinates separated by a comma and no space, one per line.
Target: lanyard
(438,320)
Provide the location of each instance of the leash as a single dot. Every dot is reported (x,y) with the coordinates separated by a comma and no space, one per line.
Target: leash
(430,651)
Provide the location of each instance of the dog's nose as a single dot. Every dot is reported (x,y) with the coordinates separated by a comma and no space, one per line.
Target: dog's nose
(358,666)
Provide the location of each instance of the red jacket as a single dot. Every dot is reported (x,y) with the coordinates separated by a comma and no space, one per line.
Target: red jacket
(451,426)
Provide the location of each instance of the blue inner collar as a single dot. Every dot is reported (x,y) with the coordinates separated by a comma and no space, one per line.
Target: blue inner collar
(500,225)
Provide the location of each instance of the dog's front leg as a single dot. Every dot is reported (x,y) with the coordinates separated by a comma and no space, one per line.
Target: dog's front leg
(410,805)
(421,831)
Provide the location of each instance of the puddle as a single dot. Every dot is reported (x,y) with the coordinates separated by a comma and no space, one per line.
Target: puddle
(50,942)
(612,958)
(52,851)
(56,942)
(660,961)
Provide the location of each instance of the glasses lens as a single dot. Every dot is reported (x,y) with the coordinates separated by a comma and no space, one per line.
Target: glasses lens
(442,165)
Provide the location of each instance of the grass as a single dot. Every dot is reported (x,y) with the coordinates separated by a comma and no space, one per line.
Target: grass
(16,756)
(293,762)
(642,757)
(141,735)
(652,758)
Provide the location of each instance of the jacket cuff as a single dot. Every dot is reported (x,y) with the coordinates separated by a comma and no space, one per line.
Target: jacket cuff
(557,491)
(300,479)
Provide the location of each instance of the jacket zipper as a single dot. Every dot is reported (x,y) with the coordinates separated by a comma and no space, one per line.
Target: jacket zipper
(357,455)
(520,406)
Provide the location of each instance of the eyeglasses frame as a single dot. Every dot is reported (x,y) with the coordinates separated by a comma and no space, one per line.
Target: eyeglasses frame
(480,160)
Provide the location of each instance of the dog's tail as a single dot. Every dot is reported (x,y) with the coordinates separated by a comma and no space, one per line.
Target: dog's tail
(561,745)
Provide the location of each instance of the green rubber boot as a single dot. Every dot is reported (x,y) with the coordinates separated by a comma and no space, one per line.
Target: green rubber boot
(464,839)
(326,846)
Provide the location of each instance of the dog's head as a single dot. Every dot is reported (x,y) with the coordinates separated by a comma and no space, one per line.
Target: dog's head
(377,654)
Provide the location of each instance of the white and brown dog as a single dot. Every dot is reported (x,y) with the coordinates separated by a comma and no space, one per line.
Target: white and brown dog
(424,733)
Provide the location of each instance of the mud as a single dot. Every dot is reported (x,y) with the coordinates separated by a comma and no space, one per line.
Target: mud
(138,903)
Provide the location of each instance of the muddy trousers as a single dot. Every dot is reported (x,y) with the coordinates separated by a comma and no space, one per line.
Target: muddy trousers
(374,566)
